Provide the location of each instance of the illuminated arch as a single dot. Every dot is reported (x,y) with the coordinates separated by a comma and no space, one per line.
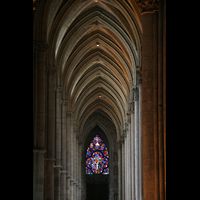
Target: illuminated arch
(97,158)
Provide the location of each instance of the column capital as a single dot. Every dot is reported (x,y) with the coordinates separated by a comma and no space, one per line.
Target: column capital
(58,89)
(39,150)
(57,166)
(148,6)
(136,93)
(139,77)
(129,116)
(64,172)
(71,182)
(125,132)
(50,159)
(68,114)
(64,102)
(132,107)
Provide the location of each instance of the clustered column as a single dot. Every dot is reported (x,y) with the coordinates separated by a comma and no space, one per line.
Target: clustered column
(153,83)
(49,170)
(39,148)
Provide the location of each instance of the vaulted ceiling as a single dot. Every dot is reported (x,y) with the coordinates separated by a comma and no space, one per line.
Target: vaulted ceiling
(95,46)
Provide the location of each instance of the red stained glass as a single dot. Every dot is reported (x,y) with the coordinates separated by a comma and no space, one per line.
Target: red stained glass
(97,159)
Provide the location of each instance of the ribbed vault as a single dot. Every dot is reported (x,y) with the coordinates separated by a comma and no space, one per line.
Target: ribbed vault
(95,46)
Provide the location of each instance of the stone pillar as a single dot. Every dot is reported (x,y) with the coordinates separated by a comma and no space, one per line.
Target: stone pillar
(129,155)
(80,166)
(123,169)
(150,98)
(140,141)
(49,171)
(58,145)
(120,169)
(71,189)
(74,190)
(68,116)
(125,165)
(68,187)
(63,185)
(79,191)
(74,160)
(63,150)
(57,182)
(132,140)
(136,108)
(71,160)
(39,69)
(39,174)
(49,179)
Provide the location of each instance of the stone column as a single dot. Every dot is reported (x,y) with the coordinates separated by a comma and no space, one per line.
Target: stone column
(129,155)
(120,169)
(57,182)
(71,189)
(132,140)
(39,174)
(39,69)
(58,144)
(79,191)
(150,176)
(74,160)
(49,171)
(140,141)
(136,108)
(79,165)
(125,165)
(68,116)
(123,168)
(71,160)
(74,190)
(63,150)
(63,185)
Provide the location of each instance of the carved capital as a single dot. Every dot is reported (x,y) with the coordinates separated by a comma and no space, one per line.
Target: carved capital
(132,107)
(124,133)
(68,114)
(58,89)
(139,77)
(136,93)
(129,117)
(64,102)
(148,5)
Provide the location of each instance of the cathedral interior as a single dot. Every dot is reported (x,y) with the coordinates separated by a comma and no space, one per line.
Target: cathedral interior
(99,99)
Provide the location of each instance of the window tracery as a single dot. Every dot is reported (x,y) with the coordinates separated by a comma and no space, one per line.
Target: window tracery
(97,158)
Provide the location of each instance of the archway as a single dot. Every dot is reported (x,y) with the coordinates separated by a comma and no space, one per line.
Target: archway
(102,184)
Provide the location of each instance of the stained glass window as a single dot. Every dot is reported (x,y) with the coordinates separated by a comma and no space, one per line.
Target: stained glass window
(97,159)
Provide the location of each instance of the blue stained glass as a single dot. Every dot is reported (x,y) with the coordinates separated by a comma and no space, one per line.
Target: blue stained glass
(97,159)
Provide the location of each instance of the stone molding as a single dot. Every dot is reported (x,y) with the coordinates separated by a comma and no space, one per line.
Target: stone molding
(39,150)
(57,166)
(50,159)
(148,6)
(63,172)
